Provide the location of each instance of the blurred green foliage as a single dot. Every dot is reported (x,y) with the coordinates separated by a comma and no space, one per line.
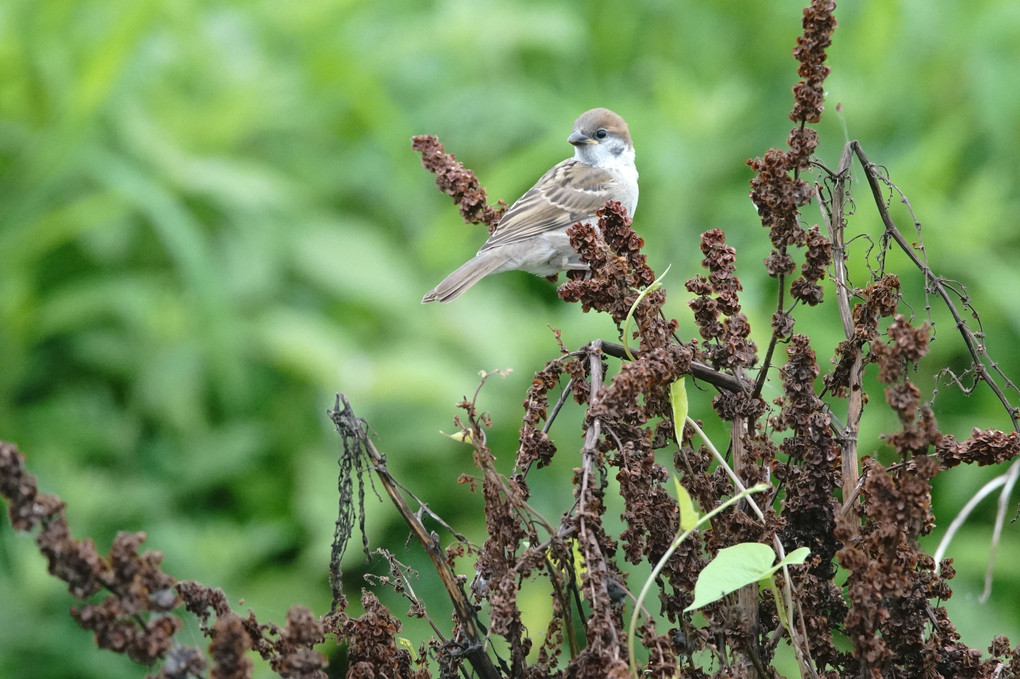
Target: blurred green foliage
(211,221)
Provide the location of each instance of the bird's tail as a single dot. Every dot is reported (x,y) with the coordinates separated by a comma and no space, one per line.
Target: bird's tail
(472,271)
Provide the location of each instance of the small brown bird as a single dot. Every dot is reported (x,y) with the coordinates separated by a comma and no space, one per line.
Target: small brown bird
(531,236)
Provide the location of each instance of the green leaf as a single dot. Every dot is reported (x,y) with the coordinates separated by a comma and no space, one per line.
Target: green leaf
(579,566)
(459,437)
(737,566)
(794,558)
(688,512)
(678,400)
(406,643)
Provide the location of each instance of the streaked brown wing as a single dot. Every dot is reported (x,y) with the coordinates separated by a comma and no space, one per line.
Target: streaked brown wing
(570,192)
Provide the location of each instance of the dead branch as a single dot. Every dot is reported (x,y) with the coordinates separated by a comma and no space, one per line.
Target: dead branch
(350,427)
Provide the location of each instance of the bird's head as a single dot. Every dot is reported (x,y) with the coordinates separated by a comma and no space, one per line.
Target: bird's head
(600,136)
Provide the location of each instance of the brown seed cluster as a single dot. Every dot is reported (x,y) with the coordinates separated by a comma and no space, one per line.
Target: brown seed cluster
(984,447)
(879,300)
(906,347)
(717,307)
(372,647)
(133,618)
(776,190)
(905,635)
(535,444)
(810,507)
(617,271)
(457,182)
(809,94)
(640,391)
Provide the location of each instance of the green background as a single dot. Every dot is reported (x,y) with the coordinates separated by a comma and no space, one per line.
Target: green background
(211,221)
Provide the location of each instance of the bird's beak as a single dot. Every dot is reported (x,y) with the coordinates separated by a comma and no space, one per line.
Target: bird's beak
(578,138)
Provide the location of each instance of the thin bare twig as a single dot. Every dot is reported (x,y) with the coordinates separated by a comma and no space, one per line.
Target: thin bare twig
(354,428)
(763,372)
(836,222)
(699,371)
(974,344)
(598,575)
(564,395)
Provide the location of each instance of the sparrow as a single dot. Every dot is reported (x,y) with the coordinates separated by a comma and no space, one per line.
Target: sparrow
(532,235)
